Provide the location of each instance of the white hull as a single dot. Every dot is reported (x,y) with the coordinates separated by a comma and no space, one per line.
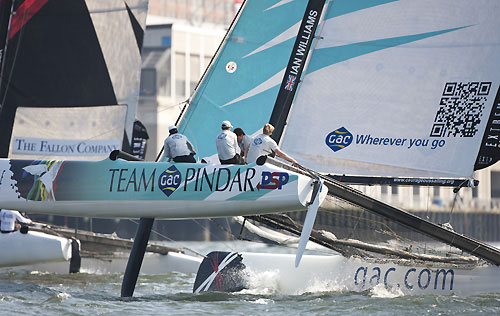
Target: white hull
(31,248)
(337,273)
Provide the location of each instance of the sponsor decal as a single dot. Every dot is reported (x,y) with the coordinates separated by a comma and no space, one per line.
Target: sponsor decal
(169,180)
(63,147)
(423,279)
(127,180)
(194,180)
(274,180)
(290,82)
(339,139)
(231,67)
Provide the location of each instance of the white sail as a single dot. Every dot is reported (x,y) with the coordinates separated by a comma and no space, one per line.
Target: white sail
(403,88)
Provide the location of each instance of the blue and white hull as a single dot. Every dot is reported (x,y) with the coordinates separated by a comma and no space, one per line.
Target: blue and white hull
(123,189)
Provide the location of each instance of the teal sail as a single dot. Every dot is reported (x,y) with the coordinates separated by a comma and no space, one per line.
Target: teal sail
(242,82)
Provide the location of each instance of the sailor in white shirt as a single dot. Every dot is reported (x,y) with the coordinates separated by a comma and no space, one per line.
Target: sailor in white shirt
(177,147)
(227,145)
(263,144)
(243,141)
(8,219)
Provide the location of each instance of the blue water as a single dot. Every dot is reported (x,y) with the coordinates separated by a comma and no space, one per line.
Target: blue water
(38,293)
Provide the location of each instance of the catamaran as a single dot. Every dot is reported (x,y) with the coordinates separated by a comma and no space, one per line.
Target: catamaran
(373,89)
(363,92)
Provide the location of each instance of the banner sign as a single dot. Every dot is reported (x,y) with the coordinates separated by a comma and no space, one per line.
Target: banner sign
(63,147)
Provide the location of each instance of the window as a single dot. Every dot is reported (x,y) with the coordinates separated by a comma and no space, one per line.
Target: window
(495,184)
(416,190)
(394,189)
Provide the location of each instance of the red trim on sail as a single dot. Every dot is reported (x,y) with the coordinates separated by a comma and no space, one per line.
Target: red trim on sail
(24,13)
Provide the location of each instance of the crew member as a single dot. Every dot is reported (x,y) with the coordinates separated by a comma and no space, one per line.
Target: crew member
(263,144)
(8,218)
(177,147)
(227,145)
(243,141)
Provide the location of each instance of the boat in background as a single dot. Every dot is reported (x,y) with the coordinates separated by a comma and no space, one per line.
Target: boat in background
(55,249)
(36,247)
(108,253)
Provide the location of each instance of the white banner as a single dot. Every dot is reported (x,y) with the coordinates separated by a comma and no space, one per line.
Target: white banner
(63,147)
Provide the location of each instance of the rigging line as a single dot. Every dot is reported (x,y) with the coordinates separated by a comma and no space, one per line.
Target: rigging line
(230,233)
(169,107)
(170,239)
(229,226)
(217,52)
(364,218)
(355,225)
(212,234)
(212,62)
(393,233)
(453,205)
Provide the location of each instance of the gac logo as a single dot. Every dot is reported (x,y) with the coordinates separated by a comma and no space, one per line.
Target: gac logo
(274,180)
(339,139)
(169,180)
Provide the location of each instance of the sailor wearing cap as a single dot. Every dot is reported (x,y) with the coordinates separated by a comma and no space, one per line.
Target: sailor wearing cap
(177,147)
(227,145)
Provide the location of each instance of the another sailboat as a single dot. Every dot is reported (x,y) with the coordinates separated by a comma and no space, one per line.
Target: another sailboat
(35,248)
(61,61)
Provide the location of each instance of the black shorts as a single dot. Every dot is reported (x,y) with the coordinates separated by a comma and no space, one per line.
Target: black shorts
(236,160)
(185,158)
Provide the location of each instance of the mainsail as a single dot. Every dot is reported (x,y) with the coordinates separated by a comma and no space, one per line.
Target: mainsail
(406,97)
(69,54)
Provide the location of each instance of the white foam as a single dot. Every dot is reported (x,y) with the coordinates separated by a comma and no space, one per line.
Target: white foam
(382,291)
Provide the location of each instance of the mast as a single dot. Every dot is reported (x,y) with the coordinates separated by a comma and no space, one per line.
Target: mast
(295,66)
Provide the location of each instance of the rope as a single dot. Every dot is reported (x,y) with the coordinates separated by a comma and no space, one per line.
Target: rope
(170,239)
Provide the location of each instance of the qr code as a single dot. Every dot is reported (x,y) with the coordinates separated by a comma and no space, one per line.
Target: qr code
(461,109)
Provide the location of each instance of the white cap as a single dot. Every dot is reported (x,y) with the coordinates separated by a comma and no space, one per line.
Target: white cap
(171,127)
(226,124)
